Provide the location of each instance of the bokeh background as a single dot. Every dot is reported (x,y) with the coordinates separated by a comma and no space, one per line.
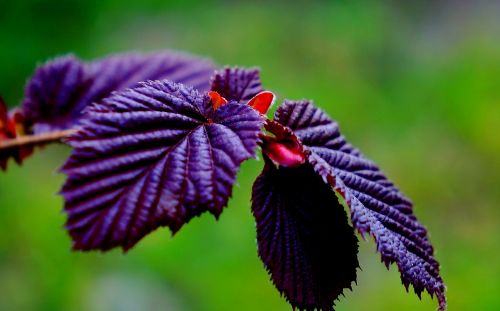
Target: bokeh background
(415,85)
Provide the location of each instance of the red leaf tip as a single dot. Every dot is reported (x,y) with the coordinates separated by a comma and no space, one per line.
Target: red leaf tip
(262,101)
(216,99)
(7,125)
(12,125)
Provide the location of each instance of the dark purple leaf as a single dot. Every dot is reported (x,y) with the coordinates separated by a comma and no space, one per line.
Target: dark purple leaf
(156,155)
(60,89)
(303,235)
(52,95)
(377,206)
(237,84)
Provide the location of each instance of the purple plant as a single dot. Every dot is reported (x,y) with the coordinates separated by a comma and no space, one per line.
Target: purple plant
(160,152)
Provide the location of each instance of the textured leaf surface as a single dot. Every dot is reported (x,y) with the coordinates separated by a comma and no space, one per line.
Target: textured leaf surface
(60,89)
(152,156)
(237,84)
(303,235)
(52,96)
(377,206)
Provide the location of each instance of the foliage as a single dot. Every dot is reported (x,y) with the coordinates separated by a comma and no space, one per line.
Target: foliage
(158,153)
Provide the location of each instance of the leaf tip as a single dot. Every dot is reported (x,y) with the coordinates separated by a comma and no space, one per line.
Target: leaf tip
(262,101)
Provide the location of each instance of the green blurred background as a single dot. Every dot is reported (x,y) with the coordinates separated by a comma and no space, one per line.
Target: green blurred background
(415,85)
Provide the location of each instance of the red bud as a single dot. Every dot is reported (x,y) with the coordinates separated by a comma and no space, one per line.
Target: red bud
(286,152)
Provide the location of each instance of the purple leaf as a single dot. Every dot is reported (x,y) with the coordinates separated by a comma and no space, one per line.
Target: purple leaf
(237,84)
(53,94)
(303,236)
(60,89)
(156,155)
(377,206)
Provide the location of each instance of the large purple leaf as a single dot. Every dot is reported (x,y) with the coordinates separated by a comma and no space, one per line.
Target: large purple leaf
(156,155)
(303,236)
(60,89)
(237,84)
(377,206)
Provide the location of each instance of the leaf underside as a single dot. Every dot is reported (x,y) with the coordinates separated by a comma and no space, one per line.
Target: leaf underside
(60,89)
(156,155)
(377,207)
(303,235)
(238,84)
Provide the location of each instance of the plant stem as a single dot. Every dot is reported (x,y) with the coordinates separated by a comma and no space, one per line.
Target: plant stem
(29,140)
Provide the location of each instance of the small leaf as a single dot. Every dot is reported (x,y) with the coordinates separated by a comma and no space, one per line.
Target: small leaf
(262,101)
(284,148)
(52,96)
(216,99)
(303,236)
(237,84)
(60,89)
(10,125)
(7,128)
(6,132)
(377,206)
(156,155)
